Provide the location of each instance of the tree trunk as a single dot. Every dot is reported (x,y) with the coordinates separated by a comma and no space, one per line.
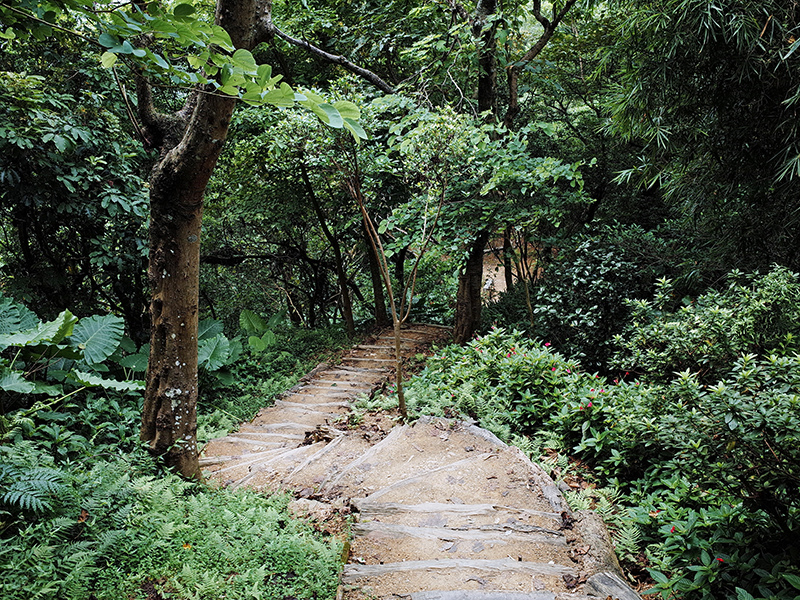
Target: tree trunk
(487,62)
(169,417)
(508,250)
(468,297)
(381,316)
(190,142)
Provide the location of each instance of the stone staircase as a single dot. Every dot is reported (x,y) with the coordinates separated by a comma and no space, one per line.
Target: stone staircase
(442,510)
(290,433)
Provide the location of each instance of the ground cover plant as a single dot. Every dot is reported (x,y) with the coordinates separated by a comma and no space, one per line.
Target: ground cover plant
(117,527)
(86,512)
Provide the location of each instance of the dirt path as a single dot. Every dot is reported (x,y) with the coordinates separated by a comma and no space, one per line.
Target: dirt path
(442,510)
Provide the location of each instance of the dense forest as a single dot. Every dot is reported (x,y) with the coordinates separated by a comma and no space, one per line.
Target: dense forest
(199,203)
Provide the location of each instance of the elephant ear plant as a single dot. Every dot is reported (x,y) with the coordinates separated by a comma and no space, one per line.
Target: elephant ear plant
(44,362)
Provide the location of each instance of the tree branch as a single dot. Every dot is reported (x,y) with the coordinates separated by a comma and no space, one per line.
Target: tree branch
(515,70)
(269,30)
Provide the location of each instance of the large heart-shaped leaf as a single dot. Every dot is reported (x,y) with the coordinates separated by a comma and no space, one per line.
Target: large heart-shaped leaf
(53,332)
(97,337)
(209,328)
(213,353)
(15,317)
(91,380)
(251,322)
(12,381)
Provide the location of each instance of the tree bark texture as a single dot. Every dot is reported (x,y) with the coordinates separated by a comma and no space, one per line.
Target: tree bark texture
(468,297)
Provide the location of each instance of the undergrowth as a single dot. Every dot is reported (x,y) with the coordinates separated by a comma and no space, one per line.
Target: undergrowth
(104,530)
(86,513)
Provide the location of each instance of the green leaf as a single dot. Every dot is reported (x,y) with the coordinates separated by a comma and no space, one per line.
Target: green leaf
(209,328)
(183,10)
(46,388)
(135,362)
(334,119)
(251,322)
(52,331)
(269,338)
(16,317)
(108,60)
(221,38)
(348,110)
(108,41)
(263,75)
(213,353)
(658,576)
(61,143)
(91,380)
(355,128)
(158,59)
(244,60)
(224,377)
(97,337)
(282,97)
(793,580)
(743,594)
(256,343)
(12,381)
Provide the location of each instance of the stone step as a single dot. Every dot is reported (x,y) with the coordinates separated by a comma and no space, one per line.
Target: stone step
(403,340)
(340,390)
(268,471)
(394,543)
(481,595)
(499,575)
(308,419)
(312,406)
(230,472)
(341,383)
(378,373)
(456,515)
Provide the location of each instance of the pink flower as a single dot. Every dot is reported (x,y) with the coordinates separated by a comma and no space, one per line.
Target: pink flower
(568,371)
(546,344)
(589,405)
(553,369)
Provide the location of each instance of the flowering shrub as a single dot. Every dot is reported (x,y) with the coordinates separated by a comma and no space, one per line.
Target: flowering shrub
(508,384)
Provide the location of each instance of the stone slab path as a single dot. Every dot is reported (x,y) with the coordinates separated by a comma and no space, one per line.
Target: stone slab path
(442,510)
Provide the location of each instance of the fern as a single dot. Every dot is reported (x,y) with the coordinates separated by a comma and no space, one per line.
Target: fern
(627,540)
(579,499)
(28,489)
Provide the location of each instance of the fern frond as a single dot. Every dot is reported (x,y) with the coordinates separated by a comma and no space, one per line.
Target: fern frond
(627,540)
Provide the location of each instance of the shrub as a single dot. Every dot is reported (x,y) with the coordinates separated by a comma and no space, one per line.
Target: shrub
(578,302)
(709,473)
(755,313)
